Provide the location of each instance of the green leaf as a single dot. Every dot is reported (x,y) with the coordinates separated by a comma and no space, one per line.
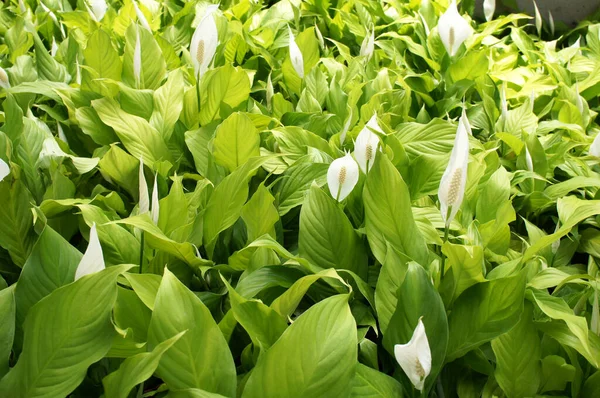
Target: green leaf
(286,304)
(225,85)
(63,337)
(226,202)
(201,357)
(8,313)
(122,169)
(418,298)
(556,308)
(518,358)
(263,324)
(47,67)
(192,393)
(391,277)
(472,66)
(136,134)
(296,182)
(168,103)
(484,312)
(315,356)
(136,369)
(260,215)
(51,264)
(388,214)
(145,286)
(236,141)
(327,237)
(466,263)
(103,62)
(369,383)
(16,235)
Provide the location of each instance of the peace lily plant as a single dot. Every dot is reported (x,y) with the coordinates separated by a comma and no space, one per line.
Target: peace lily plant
(291,243)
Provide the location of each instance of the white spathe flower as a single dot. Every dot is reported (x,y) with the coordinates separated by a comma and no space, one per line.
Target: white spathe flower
(453,29)
(595,147)
(204,42)
(342,177)
(367,142)
(368,45)
(137,60)
(489,7)
(414,357)
(296,55)
(528,160)
(92,260)
(454,179)
(140,16)
(538,18)
(4,81)
(4,169)
(144,201)
(155,205)
(97,9)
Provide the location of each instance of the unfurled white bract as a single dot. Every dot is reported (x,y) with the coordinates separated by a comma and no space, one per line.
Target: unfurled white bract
(454,179)
(489,7)
(269,91)
(4,169)
(4,81)
(528,160)
(92,260)
(97,9)
(342,177)
(204,42)
(538,18)
(346,126)
(366,145)
(296,55)
(140,16)
(453,29)
(137,61)
(53,48)
(595,147)
(155,209)
(414,357)
(320,38)
(144,200)
(368,45)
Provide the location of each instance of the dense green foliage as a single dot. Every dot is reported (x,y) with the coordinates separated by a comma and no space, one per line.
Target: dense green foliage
(229,267)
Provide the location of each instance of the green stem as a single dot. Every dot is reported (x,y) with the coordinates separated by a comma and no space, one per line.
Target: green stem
(142,251)
(198,90)
(440,387)
(446,230)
